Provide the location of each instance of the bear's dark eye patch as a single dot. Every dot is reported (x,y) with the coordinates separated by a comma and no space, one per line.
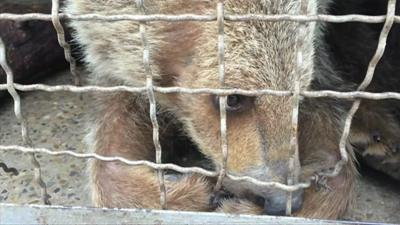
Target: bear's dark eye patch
(235,103)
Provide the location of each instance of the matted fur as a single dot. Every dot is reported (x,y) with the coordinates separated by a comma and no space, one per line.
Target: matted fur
(258,55)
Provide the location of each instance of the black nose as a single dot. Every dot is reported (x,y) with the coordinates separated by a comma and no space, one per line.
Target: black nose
(276,205)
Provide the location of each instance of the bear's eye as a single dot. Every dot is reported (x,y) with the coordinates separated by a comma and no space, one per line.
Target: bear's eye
(235,103)
(376,136)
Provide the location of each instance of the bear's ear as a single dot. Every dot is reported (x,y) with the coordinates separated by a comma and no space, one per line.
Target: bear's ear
(176,50)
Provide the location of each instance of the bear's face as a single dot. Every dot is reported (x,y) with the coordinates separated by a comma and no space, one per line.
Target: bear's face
(258,134)
(258,55)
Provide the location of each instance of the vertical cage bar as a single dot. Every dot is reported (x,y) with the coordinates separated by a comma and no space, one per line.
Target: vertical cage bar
(222,99)
(390,16)
(55,18)
(24,127)
(153,105)
(294,161)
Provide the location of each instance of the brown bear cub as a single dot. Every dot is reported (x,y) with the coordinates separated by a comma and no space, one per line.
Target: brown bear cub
(351,46)
(259,55)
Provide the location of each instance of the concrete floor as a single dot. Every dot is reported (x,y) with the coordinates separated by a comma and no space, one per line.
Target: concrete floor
(56,121)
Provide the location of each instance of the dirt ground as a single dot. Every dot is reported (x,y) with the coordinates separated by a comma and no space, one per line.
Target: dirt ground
(56,121)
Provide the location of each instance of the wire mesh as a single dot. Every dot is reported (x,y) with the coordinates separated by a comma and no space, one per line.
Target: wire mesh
(294,161)
(389,19)
(55,18)
(153,104)
(24,127)
(222,99)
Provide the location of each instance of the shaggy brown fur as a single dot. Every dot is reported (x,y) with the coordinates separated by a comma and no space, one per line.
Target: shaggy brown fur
(258,55)
(350,47)
(375,136)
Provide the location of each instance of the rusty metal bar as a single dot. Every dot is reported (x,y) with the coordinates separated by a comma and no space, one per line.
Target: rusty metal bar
(294,161)
(222,99)
(153,104)
(55,18)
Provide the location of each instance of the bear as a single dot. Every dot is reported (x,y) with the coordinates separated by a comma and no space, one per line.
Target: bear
(376,126)
(258,55)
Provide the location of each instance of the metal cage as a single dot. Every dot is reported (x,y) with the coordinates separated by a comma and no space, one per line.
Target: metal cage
(34,214)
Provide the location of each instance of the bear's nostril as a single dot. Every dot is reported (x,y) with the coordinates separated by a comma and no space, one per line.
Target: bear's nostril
(277,205)
(274,209)
(259,200)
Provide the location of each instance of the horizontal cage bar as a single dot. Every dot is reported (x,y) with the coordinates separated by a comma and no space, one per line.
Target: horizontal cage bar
(204,18)
(36,214)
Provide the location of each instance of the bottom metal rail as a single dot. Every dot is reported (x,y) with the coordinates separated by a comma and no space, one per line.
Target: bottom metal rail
(40,214)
